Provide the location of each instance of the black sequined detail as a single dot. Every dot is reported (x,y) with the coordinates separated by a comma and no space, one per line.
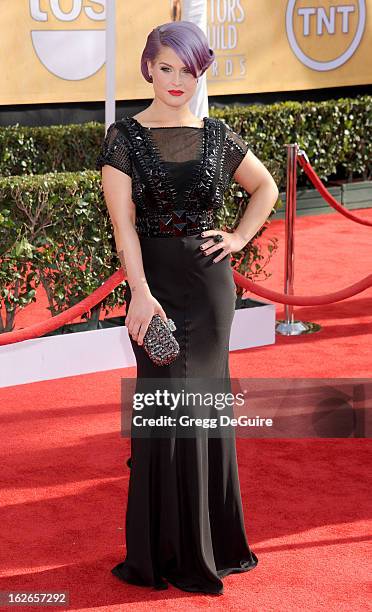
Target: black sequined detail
(210,156)
(181,222)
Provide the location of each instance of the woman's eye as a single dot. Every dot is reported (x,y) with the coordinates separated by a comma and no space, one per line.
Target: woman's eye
(166,69)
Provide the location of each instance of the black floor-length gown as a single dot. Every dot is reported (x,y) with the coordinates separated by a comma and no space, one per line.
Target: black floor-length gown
(184,520)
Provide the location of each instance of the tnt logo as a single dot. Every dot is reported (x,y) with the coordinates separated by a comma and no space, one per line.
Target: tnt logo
(66,39)
(324,35)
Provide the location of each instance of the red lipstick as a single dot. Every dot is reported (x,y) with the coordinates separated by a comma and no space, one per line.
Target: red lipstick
(175,92)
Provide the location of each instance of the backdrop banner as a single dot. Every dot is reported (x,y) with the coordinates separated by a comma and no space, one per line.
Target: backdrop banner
(54,50)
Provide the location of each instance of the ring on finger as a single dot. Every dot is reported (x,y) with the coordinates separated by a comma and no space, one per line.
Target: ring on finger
(217,238)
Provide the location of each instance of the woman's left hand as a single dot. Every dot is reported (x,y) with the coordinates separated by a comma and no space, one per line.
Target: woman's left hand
(231,243)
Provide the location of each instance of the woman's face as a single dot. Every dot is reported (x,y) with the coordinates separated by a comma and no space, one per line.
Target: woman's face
(169,73)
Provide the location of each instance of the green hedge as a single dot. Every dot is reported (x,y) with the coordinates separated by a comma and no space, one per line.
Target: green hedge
(54,230)
(336,135)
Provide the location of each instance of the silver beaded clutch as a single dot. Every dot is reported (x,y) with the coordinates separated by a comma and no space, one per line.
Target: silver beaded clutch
(159,342)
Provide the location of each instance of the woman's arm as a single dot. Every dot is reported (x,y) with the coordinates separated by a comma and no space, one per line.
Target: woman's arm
(117,187)
(254,177)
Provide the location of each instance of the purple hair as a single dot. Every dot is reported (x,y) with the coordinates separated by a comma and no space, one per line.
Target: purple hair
(186,39)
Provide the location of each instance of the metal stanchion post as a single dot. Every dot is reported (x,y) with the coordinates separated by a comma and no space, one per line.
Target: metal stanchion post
(288,326)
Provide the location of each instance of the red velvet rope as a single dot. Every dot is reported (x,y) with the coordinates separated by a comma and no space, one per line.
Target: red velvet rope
(303,300)
(309,170)
(39,329)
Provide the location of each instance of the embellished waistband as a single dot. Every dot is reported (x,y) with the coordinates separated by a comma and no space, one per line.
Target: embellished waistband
(181,222)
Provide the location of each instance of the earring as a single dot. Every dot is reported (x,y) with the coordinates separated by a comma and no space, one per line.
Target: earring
(150,75)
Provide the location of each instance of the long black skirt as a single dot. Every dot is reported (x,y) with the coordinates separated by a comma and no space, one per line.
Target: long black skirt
(184,519)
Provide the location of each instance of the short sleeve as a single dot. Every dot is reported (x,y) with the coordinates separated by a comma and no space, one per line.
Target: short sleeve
(235,151)
(114,151)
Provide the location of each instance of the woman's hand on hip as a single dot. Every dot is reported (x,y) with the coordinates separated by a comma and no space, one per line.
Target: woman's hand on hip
(231,243)
(141,309)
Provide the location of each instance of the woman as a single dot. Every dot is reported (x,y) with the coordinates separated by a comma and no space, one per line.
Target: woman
(164,173)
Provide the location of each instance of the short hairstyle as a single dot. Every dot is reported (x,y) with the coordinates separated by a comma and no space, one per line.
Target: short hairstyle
(186,39)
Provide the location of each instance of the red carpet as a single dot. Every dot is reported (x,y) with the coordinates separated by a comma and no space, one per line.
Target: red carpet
(64,478)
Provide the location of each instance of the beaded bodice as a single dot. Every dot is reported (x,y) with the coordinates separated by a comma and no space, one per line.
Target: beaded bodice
(179,174)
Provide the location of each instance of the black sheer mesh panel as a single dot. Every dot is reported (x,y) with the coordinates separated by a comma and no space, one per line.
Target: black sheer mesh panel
(177,144)
(236,149)
(114,151)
